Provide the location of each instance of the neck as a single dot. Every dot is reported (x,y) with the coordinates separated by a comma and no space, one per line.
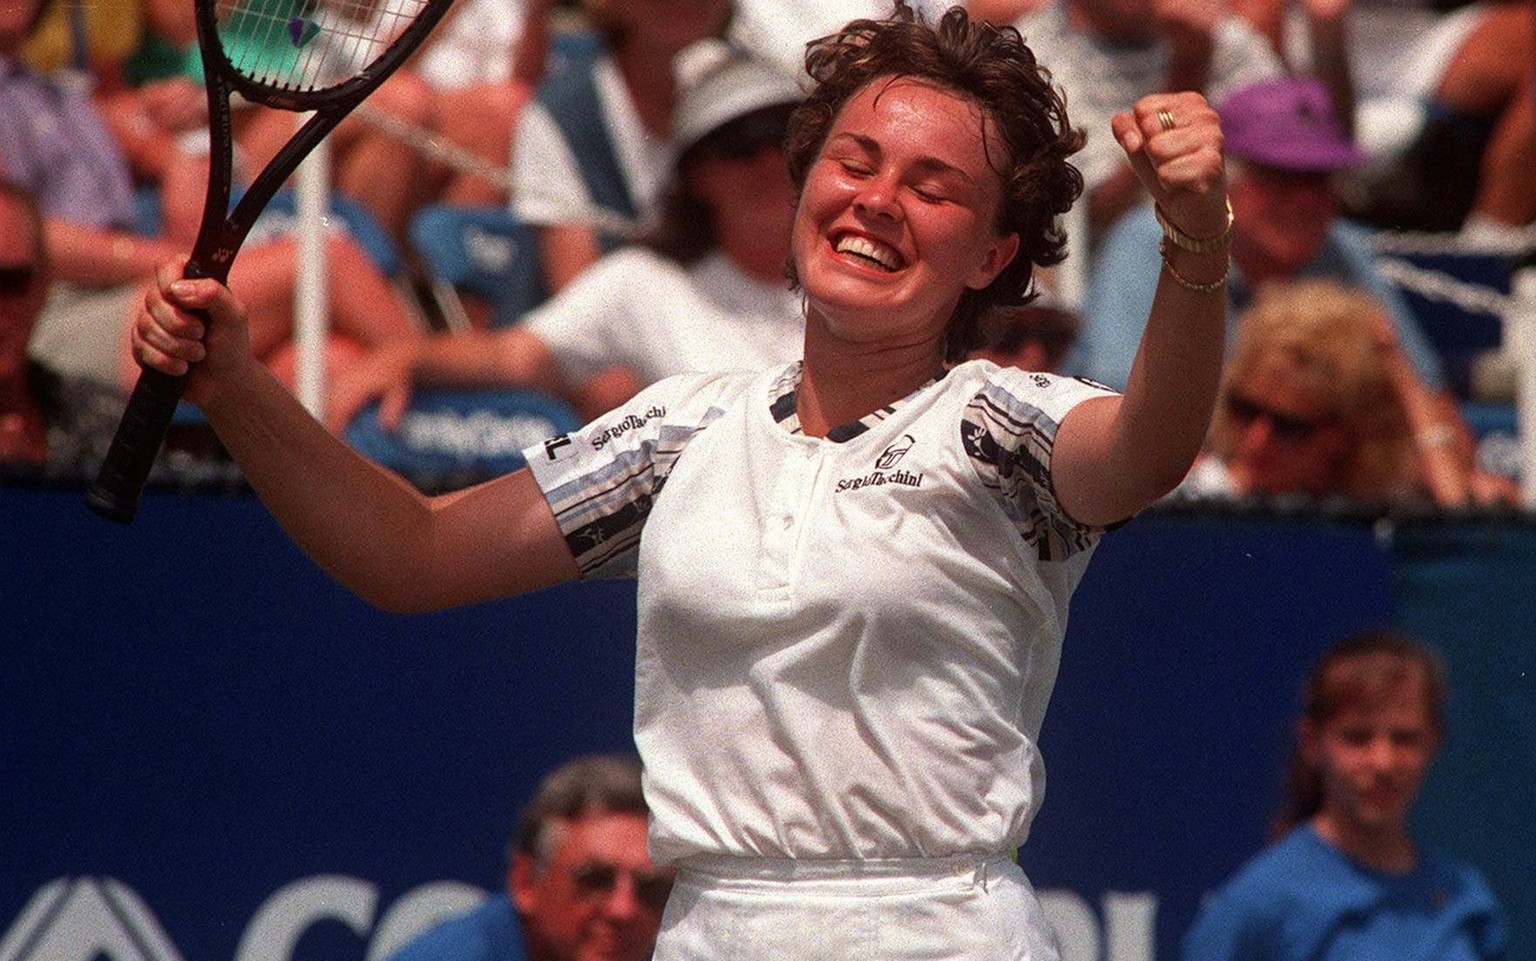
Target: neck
(842,382)
(1387,848)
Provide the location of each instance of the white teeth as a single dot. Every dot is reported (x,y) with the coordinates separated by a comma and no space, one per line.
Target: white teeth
(869,250)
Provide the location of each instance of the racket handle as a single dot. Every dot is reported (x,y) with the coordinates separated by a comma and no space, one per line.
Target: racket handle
(115,494)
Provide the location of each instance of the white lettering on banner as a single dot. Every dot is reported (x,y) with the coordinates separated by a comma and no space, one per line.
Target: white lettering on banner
(285,917)
(84,920)
(1129,925)
(1129,922)
(88,919)
(1073,920)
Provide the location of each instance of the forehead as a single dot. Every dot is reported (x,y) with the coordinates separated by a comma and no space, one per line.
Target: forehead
(903,114)
(1403,706)
(1281,372)
(1277,180)
(616,837)
(1374,685)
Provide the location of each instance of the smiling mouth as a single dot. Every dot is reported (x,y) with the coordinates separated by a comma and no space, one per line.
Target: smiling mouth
(868,251)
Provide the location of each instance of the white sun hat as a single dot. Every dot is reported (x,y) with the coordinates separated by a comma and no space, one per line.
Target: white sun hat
(721,83)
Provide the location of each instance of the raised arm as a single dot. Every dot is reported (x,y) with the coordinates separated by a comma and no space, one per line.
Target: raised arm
(376,534)
(1114,456)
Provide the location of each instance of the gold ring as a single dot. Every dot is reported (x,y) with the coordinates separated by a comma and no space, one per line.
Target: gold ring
(1165,119)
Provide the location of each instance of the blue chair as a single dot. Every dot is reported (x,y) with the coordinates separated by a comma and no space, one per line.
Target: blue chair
(484,251)
(450,438)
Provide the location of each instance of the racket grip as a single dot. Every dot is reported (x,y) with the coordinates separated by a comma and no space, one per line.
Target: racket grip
(115,494)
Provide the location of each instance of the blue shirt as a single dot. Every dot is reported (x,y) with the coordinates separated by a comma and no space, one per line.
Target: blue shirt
(491,932)
(1303,900)
(1124,278)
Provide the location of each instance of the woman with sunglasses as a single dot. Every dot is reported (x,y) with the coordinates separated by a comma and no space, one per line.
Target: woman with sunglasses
(1318,399)
(854,570)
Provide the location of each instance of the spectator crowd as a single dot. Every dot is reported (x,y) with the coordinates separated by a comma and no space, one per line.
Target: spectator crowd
(642,192)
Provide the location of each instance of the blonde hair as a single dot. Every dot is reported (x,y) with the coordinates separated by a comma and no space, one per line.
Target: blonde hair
(1323,335)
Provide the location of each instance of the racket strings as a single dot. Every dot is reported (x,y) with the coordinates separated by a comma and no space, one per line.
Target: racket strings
(309,45)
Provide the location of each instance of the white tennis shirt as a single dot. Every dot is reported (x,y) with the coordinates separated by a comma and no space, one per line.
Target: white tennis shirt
(846,647)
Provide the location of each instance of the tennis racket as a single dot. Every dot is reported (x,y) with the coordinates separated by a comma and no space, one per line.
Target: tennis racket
(323,56)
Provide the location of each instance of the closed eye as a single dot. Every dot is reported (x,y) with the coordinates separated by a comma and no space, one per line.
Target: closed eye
(931,194)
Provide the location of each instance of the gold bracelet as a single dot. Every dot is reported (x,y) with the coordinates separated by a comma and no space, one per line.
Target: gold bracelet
(1188,284)
(1183,241)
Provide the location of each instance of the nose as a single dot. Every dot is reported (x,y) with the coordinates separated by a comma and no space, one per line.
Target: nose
(1382,753)
(623,901)
(877,198)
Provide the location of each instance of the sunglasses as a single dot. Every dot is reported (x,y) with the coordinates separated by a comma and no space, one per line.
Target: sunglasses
(1285,428)
(16,279)
(596,880)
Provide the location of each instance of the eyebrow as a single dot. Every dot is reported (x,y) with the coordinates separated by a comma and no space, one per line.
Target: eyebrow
(926,163)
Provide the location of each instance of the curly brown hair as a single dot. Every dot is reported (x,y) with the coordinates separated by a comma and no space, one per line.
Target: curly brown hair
(992,67)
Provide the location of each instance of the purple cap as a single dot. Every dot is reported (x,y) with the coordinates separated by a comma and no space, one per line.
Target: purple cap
(1287,123)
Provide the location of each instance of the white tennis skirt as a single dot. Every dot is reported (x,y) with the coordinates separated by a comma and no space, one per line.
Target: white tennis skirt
(954,909)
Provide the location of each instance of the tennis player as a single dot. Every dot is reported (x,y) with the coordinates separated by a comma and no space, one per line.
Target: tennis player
(854,571)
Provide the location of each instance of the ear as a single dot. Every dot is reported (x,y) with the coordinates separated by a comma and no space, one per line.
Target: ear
(523,883)
(996,257)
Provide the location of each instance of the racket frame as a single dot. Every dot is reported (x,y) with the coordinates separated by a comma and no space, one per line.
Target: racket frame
(120,480)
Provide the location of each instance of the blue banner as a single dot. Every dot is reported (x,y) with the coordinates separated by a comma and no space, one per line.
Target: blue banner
(209,751)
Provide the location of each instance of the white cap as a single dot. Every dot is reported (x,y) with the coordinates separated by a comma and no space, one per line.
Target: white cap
(722,84)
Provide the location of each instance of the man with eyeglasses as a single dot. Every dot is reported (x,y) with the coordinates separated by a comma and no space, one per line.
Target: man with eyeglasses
(580,883)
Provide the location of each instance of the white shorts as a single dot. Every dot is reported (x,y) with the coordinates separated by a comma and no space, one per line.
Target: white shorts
(954,909)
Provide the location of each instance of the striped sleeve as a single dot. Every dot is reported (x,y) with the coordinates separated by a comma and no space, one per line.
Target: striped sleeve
(1009,430)
(601,480)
